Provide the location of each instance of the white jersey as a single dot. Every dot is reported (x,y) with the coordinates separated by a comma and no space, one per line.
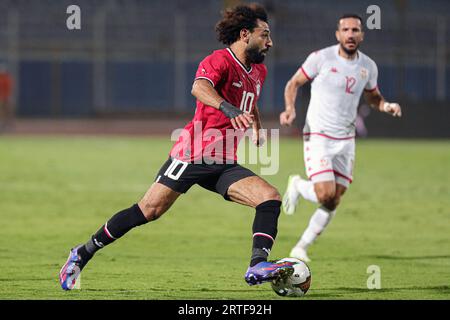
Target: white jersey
(336,90)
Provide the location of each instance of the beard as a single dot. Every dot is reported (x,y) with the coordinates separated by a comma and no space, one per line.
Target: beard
(350,52)
(255,55)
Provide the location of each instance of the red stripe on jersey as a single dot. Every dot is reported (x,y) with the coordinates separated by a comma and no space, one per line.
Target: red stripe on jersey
(306,75)
(335,173)
(371,90)
(320,172)
(205,78)
(342,176)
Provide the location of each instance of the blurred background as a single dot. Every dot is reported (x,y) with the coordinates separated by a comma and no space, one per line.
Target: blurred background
(133,62)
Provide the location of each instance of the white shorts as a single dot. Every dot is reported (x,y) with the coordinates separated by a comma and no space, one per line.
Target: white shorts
(329,159)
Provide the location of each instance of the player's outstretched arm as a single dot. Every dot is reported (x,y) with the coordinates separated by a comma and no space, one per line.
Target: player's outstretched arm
(204,91)
(287,117)
(377,101)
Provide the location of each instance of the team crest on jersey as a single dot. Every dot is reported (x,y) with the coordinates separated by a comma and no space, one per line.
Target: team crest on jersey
(364,73)
(258,87)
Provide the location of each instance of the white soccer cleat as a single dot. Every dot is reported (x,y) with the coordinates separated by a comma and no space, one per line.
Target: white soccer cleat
(299,253)
(291,196)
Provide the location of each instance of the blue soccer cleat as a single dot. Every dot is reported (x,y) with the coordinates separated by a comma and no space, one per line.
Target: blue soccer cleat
(71,270)
(267,271)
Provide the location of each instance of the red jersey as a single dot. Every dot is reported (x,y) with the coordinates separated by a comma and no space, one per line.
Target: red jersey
(210,134)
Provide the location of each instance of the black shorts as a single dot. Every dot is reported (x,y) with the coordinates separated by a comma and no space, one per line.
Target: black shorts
(180,176)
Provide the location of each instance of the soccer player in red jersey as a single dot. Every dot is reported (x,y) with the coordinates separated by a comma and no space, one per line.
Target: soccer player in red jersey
(227,87)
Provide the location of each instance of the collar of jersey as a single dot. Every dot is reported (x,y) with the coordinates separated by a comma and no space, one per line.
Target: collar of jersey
(342,59)
(237,60)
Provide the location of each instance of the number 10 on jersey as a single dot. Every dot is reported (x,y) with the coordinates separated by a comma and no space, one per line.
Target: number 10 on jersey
(247,101)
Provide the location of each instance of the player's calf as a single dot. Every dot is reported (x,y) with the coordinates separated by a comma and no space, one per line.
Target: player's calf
(264,230)
(264,234)
(156,201)
(113,229)
(256,192)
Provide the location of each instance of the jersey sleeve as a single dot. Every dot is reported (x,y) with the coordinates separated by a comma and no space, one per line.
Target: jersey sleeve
(372,83)
(213,68)
(312,64)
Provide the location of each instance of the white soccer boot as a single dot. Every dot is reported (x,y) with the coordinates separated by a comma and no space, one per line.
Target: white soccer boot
(291,196)
(299,253)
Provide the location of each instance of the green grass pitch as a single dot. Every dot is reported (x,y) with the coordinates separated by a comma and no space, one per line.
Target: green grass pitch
(56,191)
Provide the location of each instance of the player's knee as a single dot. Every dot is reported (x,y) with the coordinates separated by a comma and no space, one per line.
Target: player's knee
(333,203)
(271,194)
(325,195)
(266,194)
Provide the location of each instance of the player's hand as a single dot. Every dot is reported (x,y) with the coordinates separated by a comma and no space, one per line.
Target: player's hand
(287,117)
(259,137)
(393,109)
(243,121)
(239,120)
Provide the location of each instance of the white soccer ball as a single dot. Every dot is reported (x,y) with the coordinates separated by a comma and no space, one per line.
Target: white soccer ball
(297,284)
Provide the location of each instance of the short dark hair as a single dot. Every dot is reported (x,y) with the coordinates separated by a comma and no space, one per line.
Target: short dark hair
(350,15)
(240,17)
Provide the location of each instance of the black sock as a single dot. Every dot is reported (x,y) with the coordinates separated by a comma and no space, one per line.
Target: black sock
(264,230)
(116,227)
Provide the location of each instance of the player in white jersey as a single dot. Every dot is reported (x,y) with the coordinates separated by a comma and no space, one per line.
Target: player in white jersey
(340,74)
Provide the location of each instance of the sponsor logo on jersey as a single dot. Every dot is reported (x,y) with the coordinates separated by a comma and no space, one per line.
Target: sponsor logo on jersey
(237,84)
(334,70)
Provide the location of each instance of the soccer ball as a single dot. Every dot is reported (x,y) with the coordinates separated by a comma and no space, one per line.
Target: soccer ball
(297,284)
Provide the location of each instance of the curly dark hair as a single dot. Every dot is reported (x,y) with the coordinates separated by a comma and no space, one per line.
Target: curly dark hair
(235,19)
